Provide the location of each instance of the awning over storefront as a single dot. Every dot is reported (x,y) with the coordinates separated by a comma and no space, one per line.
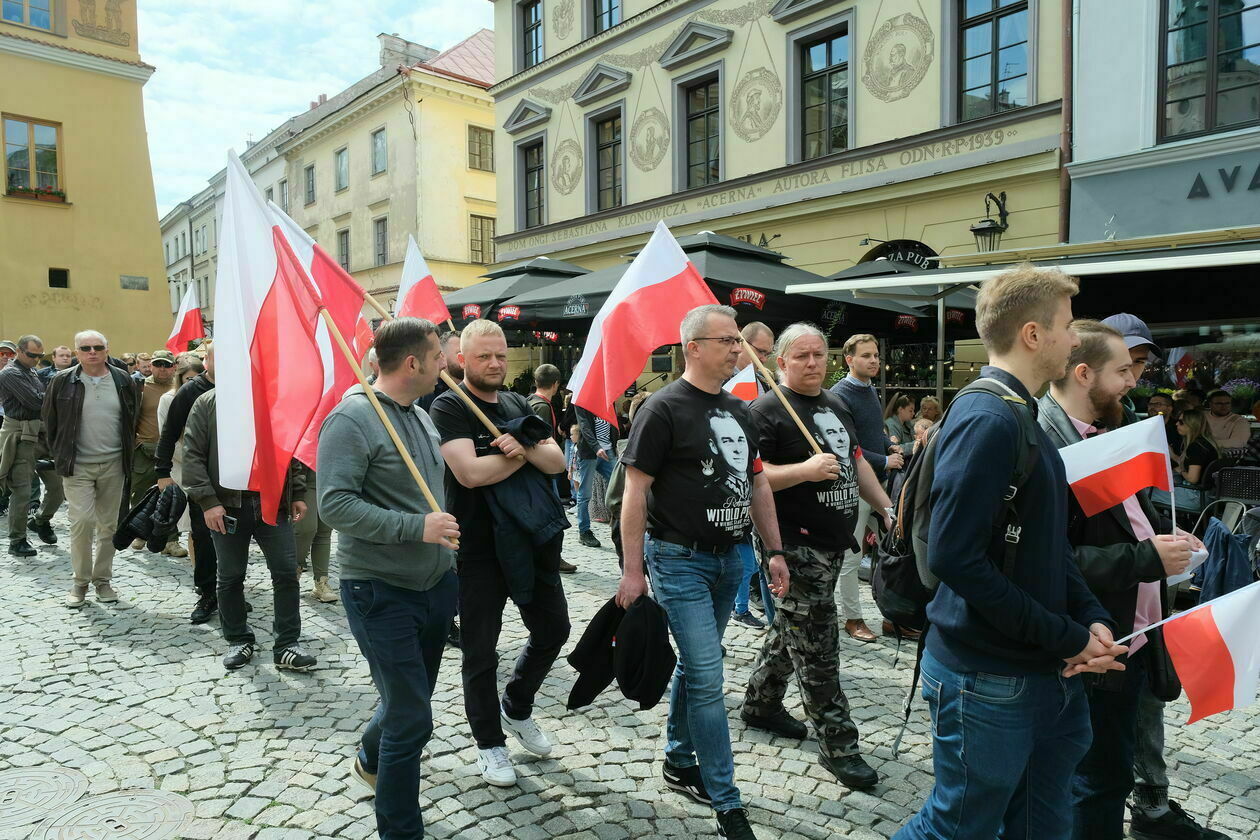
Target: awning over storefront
(481,299)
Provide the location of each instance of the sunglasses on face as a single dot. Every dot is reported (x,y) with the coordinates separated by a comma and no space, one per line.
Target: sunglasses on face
(162,363)
(91,348)
(31,355)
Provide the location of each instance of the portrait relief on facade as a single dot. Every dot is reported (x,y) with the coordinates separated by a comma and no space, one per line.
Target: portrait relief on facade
(649,139)
(755,104)
(104,26)
(566,166)
(562,19)
(897,57)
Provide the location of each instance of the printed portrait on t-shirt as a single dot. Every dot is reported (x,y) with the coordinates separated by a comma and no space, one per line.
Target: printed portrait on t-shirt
(729,443)
(834,437)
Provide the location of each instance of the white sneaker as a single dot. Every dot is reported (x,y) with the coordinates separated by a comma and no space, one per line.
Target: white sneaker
(527,732)
(496,767)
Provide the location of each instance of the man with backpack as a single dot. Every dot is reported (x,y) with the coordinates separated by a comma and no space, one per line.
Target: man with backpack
(1009,630)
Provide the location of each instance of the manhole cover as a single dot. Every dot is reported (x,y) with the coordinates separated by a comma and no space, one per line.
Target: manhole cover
(28,795)
(129,815)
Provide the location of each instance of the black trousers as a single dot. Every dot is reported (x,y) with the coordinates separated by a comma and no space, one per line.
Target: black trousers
(483,594)
(205,560)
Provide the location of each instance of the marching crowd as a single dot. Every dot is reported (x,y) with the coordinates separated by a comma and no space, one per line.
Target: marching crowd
(1042,725)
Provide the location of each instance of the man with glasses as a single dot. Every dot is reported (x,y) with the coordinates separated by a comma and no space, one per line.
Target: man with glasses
(89,416)
(22,445)
(143,461)
(684,511)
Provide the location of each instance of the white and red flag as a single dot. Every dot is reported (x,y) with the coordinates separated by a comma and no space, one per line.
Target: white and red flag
(1215,648)
(188,326)
(1105,470)
(643,312)
(744,383)
(418,295)
(269,371)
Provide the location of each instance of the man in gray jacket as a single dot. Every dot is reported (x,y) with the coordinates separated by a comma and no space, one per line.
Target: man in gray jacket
(398,583)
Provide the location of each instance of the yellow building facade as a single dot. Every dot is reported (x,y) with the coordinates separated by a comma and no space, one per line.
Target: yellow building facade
(830,130)
(80,246)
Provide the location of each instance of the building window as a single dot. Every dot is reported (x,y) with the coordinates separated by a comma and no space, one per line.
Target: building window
(480,148)
(310,184)
(993,76)
(378,151)
(481,239)
(343,248)
(1211,61)
(58,278)
(284,195)
(270,194)
(607,14)
(704,127)
(380,236)
(32,155)
(341,169)
(36,13)
(167,246)
(608,163)
(535,184)
(531,34)
(825,95)
(205,242)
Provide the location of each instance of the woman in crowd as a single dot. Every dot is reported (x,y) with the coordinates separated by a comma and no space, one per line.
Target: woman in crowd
(187,369)
(1198,446)
(930,409)
(314,542)
(897,416)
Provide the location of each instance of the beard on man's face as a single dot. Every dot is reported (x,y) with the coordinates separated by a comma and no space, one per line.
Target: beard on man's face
(484,383)
(1108,410)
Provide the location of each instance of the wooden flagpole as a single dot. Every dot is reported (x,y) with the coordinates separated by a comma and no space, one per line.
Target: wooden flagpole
(769,378)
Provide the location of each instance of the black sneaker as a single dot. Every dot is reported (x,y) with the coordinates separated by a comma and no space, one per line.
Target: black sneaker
(238,656)
(851,770)
(734,825)
(453,637)
(587,539)
(292,658)
(779,722)
(1173,824)
(748,620)
(22,548)
(43,530)
(687,781)
(206,607)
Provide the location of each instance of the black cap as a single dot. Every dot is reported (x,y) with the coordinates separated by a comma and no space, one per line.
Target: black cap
(1135,332)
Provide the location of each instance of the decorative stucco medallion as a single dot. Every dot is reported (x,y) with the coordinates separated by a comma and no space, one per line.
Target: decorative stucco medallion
(110,30)
(755,104)
(897,57)
(649,139)
(566,166)
(562,19)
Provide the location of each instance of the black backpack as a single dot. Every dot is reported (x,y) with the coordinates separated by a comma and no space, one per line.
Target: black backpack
(901,581)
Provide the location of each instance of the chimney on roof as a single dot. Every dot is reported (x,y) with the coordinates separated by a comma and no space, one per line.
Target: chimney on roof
(323,97)
(396,50)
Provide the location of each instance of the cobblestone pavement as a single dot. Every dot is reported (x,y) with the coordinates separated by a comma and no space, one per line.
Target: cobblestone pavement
(134,697)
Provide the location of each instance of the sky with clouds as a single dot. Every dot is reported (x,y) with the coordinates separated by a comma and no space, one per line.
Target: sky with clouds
(228,70)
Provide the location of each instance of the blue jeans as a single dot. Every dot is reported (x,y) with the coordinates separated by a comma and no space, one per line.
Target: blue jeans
(1104,778)
(1023,738)
(696,590)
(749,557)
(401,633)
(586,472)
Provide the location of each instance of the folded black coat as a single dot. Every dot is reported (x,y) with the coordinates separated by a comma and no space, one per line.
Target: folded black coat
(170,507)
(138,523)
(630,645)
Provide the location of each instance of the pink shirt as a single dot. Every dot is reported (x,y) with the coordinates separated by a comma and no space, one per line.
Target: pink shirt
(1149,609)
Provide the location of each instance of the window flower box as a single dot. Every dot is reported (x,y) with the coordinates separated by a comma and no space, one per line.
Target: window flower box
(39,194)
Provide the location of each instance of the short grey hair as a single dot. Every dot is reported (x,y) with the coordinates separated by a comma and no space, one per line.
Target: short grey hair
(790,336)
(476,329)
(27,340)
(694,322)
(82,334)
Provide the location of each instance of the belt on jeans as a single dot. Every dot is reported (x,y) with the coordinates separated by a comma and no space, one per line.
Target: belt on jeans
(687,542)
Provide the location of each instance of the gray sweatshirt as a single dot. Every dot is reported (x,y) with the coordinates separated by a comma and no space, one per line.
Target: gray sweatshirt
(367,494)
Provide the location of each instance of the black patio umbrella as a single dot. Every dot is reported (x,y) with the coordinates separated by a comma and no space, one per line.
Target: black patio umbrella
(482,300)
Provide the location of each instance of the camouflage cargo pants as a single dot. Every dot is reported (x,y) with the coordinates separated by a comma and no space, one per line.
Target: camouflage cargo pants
(805,638)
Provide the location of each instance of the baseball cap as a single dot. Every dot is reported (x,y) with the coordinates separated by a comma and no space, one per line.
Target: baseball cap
(1134,330)
(10,346)
(165,355)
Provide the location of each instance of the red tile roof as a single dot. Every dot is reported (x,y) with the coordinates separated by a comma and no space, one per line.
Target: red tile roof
(472,59)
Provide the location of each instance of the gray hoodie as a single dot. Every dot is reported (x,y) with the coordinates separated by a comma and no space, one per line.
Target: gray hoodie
(367,494)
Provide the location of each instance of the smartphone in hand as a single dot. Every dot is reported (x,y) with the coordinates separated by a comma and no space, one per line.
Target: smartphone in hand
(229,524)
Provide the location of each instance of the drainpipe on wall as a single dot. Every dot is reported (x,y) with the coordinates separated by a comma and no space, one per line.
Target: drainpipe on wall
(1065,136)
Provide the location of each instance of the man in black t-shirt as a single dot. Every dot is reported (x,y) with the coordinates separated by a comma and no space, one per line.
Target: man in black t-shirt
(693,488)
(477,461)
(816,499)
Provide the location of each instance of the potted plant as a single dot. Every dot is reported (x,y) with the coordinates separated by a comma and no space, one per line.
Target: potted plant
(1243,392)
(38,193)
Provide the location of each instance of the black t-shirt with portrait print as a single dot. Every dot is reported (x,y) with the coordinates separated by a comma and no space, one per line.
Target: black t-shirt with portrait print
(701,451)
(818,514)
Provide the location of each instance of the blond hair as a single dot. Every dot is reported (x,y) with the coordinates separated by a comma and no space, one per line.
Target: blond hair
(1025,293)
(476,329)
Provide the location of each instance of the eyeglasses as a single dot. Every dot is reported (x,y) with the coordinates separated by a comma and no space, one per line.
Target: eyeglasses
(725,340)
(162,363)
(91,348)
(764,354)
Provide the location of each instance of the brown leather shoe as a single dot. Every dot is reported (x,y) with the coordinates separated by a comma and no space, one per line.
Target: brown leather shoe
(857,629)
(906,632)
(567,568)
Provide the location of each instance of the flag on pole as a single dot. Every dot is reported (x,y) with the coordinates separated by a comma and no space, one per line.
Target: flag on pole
(418,294)
(343,297)
(268,365)
(1215,648)
(744,383)
(1105,470)
(188,326)
(643,312)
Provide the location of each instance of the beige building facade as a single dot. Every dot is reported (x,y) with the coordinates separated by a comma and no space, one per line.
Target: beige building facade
(832,131)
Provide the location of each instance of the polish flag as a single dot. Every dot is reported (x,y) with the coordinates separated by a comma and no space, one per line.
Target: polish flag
(269,371)
(1105,470)
(343,297)
(643,312)
(743,384)
(1215,648)
(188,325)
(418,294)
